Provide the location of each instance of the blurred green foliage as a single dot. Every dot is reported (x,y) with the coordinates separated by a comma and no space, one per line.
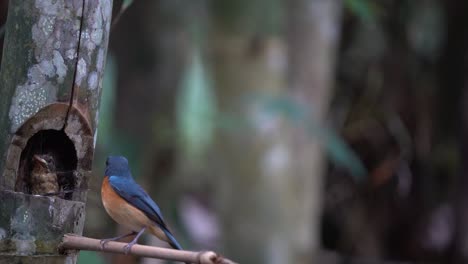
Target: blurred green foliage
(299,115)
(106,108)
(250,16)
(109,140)
(364,9)
(198,118)
(196,107)
(125,4)
(90,257)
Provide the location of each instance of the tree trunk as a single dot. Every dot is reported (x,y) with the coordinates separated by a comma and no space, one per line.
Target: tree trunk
(249,200)
(51,74)
(313,31)
(269,188)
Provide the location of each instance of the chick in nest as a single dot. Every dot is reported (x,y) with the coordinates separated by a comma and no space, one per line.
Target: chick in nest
(43,175)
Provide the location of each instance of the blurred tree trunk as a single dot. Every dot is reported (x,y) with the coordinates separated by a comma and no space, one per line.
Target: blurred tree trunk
(245,195)
(149,44)
(313,27)
(268,176)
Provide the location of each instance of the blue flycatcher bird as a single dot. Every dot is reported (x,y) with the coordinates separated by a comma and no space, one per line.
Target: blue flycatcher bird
(129,205)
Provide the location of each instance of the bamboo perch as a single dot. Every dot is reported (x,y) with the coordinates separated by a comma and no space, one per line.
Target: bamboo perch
(74,242)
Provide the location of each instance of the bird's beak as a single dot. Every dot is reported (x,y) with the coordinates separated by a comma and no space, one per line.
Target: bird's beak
(40,160)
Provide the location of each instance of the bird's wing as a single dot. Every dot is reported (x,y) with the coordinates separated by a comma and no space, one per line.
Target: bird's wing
(136,196)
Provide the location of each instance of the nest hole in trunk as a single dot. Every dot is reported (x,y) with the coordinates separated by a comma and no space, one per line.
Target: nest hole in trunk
(57,145)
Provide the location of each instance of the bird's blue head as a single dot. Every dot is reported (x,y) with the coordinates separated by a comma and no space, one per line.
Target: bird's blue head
(117,166)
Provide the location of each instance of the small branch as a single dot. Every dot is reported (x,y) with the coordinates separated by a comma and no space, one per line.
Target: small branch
(74,242)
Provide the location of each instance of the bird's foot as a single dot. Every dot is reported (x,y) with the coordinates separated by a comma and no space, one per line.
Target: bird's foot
(128,247)
(103,242)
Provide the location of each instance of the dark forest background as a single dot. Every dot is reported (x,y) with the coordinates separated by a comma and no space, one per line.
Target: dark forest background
(285,131)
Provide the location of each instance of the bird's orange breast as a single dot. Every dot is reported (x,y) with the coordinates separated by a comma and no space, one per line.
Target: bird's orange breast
(126,214)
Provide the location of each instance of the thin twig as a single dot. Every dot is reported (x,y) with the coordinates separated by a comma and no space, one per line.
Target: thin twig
(123,7)
(71,241)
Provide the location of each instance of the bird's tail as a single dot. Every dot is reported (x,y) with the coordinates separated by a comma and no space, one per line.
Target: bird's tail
(172,241)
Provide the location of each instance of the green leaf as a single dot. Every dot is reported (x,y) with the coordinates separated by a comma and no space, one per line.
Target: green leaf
(196,108)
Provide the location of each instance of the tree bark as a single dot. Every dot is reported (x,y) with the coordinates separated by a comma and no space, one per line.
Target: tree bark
(51,74)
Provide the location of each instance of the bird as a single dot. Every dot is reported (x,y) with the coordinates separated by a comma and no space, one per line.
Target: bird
(129,205)
(43,175)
